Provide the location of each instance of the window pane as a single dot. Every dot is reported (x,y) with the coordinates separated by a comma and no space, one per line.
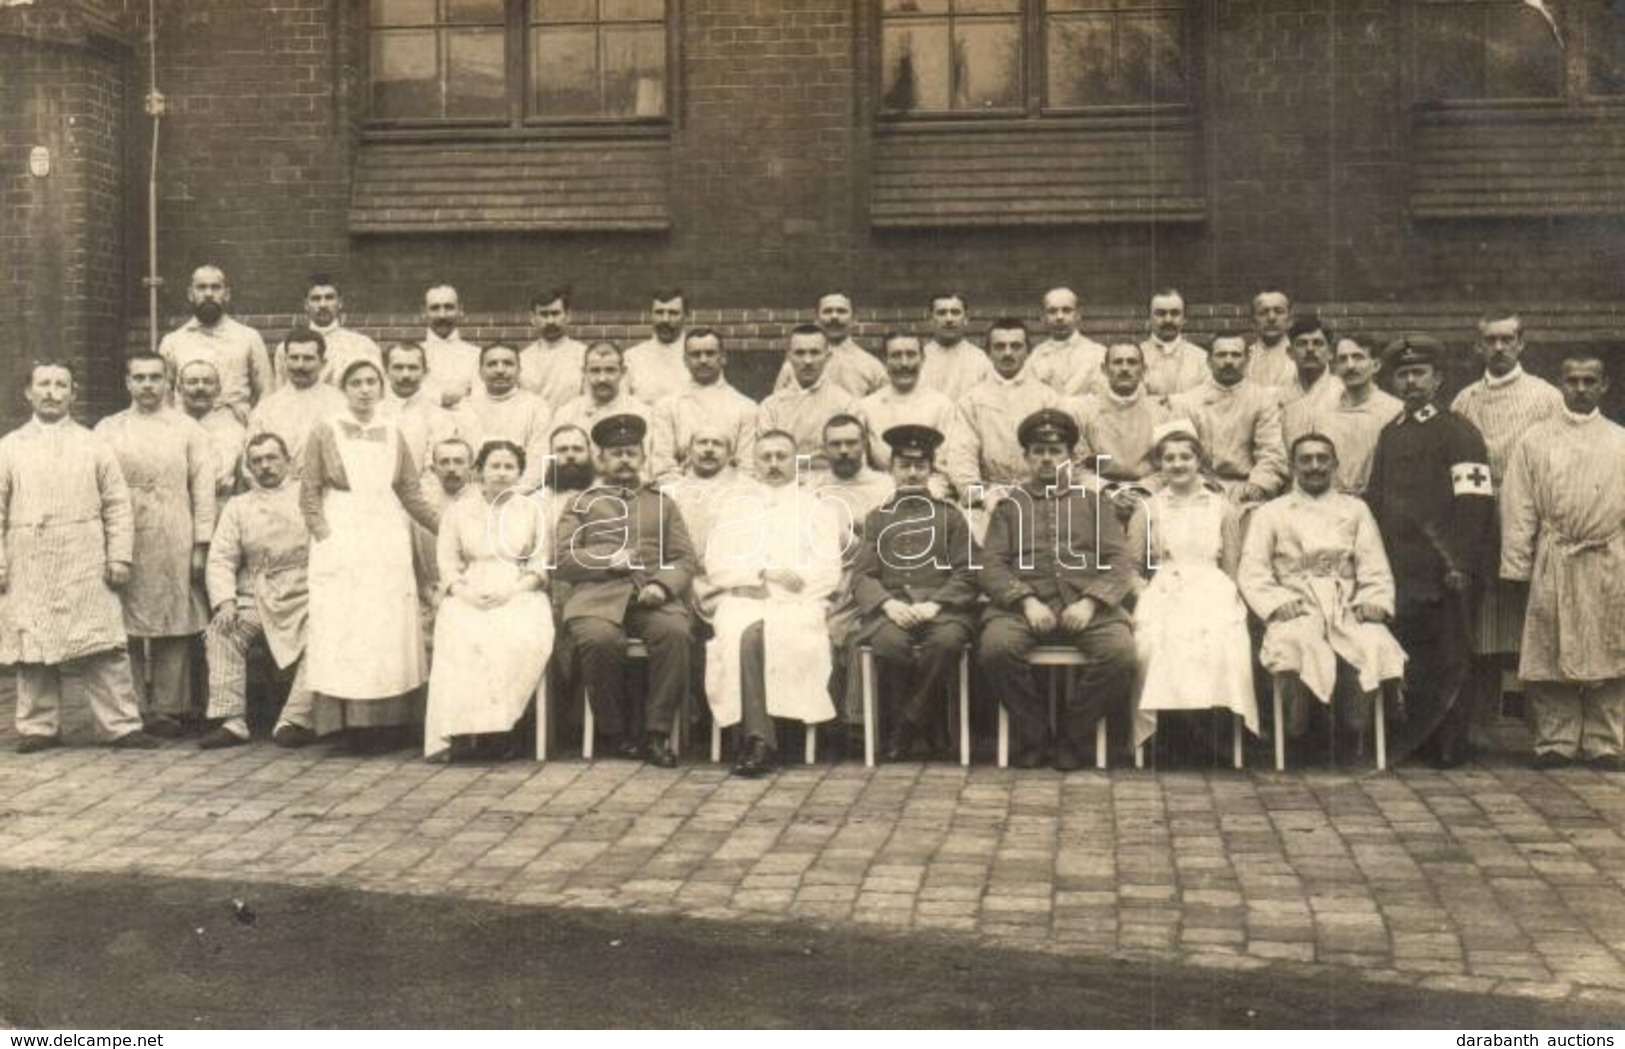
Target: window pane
(476,73)
(916,67)
(1151,59)
(476,12)
(916,7)
(1522,59)
(1079,62)
(634,71)
(1605,51)
(564,77)
(987,64)
(563,10)
(405,75)
(1449,55)
(633,10)
(402,13)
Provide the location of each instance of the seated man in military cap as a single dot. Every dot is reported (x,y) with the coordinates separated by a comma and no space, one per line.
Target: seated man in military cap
(1056,568)
(916,588)
(623,549)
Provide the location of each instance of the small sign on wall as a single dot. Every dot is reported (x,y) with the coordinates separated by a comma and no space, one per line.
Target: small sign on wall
(39,162)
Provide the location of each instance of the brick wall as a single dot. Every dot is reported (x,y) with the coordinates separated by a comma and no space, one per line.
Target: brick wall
(61,251)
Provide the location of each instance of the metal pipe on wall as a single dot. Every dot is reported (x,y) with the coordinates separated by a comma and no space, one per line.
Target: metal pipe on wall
(155,109)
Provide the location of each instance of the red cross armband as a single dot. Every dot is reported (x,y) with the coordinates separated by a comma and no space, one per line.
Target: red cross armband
(1470,479)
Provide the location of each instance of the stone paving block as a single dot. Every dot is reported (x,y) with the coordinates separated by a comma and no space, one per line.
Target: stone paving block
(1285,950)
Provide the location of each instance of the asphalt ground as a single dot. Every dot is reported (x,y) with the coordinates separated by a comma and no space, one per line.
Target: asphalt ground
(124,951)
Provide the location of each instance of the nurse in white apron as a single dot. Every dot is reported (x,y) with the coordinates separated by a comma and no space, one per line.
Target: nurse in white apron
(359,486)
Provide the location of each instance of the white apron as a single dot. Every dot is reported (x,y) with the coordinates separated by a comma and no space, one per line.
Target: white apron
(795,640)
(366,639)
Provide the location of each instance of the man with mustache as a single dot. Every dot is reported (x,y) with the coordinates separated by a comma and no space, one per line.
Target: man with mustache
(569,468)
(303,400)
(953,364)
(1117,440)
(915,585)
(1353,419)
(324,314)
(1173,364)
(1314,569)
(550,367)
(984,455)
(1505,403)
(605,394)
(851,367)
(654,367)
(66,534)
(259,590)
(171,470)
(1312,341)
(236,350)
(775,560)
(199,387)
(1269,355)
(416,409)
(707,400)
(1563,505)
(452,362)
(1430,493)
(1068,361)
(625,553)
(499,409)
(1239,423)
(803,409)
(902,402)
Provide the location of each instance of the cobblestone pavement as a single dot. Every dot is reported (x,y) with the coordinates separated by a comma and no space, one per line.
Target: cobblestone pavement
(1489,879)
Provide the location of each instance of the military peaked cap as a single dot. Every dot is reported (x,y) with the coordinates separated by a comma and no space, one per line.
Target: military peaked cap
(618,431)
(912,439)
(1049,426)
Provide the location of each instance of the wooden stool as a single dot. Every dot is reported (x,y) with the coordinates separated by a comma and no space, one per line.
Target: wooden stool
(871,726)
(1379,726)
(1239,728)
(1067,658)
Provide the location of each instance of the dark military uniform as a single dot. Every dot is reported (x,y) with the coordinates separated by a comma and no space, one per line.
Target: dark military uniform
(601,609)
(917,548)
(1431,495)
(1059,545)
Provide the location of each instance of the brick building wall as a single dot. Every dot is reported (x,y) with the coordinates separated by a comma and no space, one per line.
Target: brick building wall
(61,236)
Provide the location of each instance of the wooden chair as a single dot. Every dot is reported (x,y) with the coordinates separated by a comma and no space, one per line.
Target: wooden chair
(871,725)
(635,649)
(1379,726)
(1067,659)
(1238,730)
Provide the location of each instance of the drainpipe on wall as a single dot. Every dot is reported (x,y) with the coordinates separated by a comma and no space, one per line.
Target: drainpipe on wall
(155,106)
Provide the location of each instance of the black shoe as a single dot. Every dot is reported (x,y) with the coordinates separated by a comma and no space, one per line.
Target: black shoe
(1068,758)
(220,738)
(625,749)
(755,759)
(136,740)
(292,737)
(163,727)
(907,743)
(1606,763)
(35,744)
(658,752)
(1550,759)
(1028,759)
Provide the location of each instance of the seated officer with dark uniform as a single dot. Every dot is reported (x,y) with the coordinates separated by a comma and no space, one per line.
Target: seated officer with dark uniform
(623,549)
(1056,568)
(916,589)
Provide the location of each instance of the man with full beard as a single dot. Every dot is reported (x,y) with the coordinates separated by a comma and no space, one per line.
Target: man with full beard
(236,350)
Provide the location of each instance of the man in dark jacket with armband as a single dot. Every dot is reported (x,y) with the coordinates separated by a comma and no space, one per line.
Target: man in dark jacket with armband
(1430,492)
(1056,568)
(915,589)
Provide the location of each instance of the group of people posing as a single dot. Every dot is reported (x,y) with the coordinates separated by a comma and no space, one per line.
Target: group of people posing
(478,518)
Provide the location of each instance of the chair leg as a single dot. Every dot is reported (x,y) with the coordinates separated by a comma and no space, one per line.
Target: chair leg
(716,740)
(1003,758)
(1139,749)
(964,708)
(1238,728)
(544,714)
(1100,743)
(866,670)
(1380,727)
(588,729)
(811,748)
(677,733)
(1277,688)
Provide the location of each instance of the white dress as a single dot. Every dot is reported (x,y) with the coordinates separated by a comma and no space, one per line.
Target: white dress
(1190,625)
(487,662)
(365,640)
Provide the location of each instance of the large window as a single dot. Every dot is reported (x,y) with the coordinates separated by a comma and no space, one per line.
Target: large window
(518,61)
(1508,51)
(1018,58)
